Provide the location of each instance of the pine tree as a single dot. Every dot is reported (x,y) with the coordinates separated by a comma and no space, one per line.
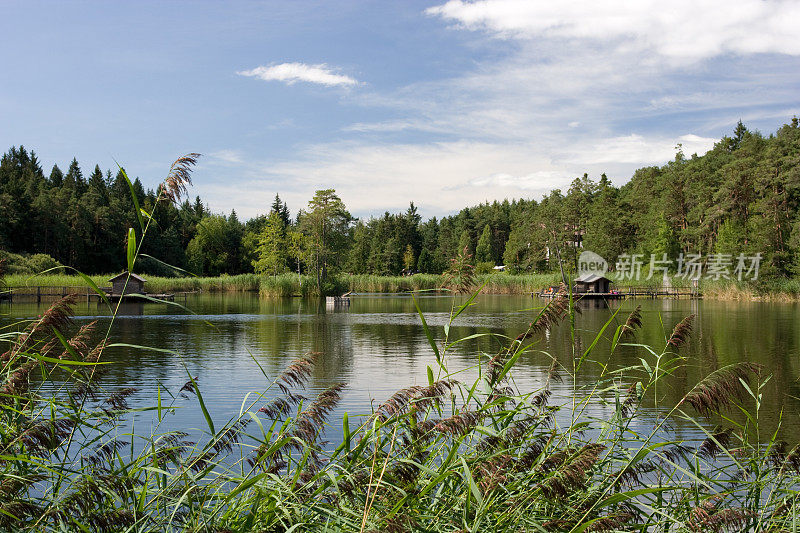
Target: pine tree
(408,258)
(465,244)
(272,251)
(425,263)
(483,251)
(56,179)
(282,210)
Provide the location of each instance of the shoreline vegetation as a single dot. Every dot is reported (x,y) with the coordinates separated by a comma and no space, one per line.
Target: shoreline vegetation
(449,454)
(734,206)
(292,285)
(465,451)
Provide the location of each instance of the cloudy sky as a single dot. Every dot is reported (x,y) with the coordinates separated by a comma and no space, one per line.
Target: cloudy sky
(444,104)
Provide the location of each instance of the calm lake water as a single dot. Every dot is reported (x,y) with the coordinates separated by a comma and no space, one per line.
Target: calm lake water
(378,346)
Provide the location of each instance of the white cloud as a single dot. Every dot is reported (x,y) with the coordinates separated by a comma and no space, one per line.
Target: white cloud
(290,73)
(638,150)
(227,156)
(682,30)
(441,177)
(580,89)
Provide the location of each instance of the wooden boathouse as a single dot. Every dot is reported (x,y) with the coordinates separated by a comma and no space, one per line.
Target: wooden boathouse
(125,283)
(592,283)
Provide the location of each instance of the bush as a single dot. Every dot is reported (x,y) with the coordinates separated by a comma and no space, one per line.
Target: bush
(40,262)
(484,267)
(28,264)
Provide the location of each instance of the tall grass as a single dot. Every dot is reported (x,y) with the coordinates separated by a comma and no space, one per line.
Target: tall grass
(287,284)
(449,454)
(284,285)
(453,454)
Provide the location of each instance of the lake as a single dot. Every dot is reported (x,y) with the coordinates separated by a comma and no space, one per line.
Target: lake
(234,343)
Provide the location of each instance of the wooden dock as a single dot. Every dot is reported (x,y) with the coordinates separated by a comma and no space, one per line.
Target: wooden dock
(44,293)
(660,292)
(332,302)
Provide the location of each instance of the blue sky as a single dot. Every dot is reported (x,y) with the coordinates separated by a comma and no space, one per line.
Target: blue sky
(444,104)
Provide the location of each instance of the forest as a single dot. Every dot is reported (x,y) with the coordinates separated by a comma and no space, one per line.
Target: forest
(743,196)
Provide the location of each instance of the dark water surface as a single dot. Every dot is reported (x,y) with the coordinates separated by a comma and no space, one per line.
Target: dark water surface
(378,346)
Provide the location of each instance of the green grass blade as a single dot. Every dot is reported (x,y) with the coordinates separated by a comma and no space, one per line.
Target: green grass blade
(131,249)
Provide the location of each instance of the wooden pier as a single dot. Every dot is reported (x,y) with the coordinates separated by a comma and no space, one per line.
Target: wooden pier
(333,302)
(45,293)
(660,292)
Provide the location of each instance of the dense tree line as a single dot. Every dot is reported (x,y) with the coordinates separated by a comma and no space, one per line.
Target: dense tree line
(743,196)
(82,222)
(740,197)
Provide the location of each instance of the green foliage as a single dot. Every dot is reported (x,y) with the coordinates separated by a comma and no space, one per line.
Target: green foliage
(28,264)
(666,242)
(83,223)
(731,238)
(455,453)
(326,225)
(483,250)
(408,258)
(272,251)
(484,267)
(217,246)
(743,196)
(425,263)
(465,245)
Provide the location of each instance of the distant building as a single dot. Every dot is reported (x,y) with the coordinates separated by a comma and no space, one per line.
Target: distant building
(121,284)
(592,283)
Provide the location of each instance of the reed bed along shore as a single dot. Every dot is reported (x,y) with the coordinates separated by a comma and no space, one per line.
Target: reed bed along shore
(447,455)
(451,454)
(287,285)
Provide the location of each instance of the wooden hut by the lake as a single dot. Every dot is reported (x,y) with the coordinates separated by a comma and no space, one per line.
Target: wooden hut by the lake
(592,283)
(122,284)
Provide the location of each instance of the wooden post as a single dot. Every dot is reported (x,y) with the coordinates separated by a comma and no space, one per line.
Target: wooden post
(38,294)
(63,292)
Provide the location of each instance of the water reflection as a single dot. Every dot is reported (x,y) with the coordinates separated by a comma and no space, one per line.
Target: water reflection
(236,344)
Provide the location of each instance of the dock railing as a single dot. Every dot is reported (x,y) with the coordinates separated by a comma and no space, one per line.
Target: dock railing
(38,293)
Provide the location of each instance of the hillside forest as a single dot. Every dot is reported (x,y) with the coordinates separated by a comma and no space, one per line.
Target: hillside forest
(743,196)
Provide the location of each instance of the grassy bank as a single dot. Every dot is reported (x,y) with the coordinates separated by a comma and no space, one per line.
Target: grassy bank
(498,283)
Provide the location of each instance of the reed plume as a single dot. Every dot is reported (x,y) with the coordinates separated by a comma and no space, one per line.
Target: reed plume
(310,422)
(460,423)
(630,401)
(555,310)
(79,343)
(42,436)
(188,387)
(105,453)
(297,373)
(680,335)
(783,459)
(417,395)
(179,177)
(715,443)
(633,323)
(118,401)
(57,317)
(707,517)
(572,469)
(720,388)
(460,276)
